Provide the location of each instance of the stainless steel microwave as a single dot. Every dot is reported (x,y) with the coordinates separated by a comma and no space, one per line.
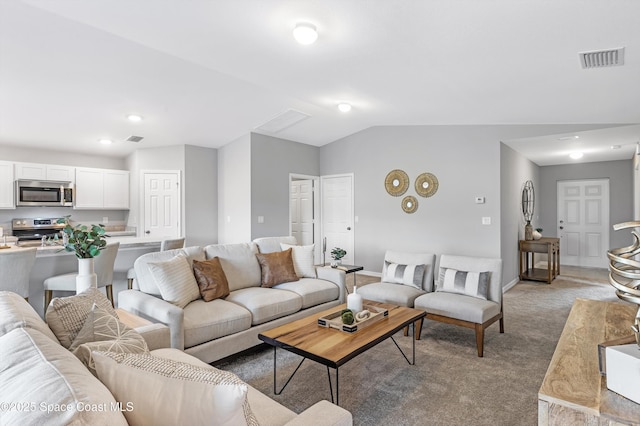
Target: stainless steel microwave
(44,193)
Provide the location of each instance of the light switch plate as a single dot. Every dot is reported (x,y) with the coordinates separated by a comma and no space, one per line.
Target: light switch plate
(260,219)
(486,220)
(479,200)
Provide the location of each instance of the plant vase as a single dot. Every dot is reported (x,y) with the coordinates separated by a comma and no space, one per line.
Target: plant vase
(86,277)
(528,231)
(335,263)
(537,235)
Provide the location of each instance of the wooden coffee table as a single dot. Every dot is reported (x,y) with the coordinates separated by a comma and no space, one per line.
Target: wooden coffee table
(333,348)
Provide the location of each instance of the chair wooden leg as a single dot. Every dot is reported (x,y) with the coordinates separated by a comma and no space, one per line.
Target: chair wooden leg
(418,328)
(480,339)
(48,295)
(406,331)
(129,283)
(109,289)
(501,325)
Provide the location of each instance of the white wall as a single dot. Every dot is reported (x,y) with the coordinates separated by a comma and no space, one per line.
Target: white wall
(201,195)
(234,191)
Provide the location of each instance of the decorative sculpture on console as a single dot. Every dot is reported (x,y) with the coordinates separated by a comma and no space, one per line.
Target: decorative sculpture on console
(624,271)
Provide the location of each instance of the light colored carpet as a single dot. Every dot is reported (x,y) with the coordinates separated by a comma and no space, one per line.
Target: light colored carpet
(449,385)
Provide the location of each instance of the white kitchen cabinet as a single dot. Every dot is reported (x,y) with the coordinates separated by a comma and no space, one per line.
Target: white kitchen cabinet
(101,189)
(35,171)
(6,185)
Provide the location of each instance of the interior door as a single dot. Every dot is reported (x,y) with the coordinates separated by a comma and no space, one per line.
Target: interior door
(338,215)
(583,222)
(302,211)
(161,204)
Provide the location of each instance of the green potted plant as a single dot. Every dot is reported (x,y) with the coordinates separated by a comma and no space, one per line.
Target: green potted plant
(337,254)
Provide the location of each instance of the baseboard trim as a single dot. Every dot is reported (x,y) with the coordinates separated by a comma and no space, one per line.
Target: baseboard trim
(373,274)
(510,285)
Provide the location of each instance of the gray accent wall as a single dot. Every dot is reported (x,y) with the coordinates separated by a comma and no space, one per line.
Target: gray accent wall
(272,160)
(620,174)
(201,195)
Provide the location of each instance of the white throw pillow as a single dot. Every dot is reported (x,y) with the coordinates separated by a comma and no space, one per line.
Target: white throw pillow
(175,280)
(302,260)
(411,275)
(166,392)
(474,284)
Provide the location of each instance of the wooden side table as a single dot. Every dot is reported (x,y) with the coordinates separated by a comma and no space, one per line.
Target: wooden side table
(527,249)
(131,320)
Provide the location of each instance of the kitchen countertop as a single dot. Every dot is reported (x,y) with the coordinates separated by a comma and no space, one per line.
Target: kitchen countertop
(126,242)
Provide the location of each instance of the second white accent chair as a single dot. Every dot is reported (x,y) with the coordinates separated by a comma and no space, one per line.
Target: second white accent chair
(103,268)
(15,266)
(171,244)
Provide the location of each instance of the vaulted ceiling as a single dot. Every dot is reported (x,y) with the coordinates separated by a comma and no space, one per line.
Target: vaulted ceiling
(208,72)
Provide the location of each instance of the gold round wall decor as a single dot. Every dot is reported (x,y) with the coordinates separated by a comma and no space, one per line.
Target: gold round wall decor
(426,185)
(409,204)
(396,182)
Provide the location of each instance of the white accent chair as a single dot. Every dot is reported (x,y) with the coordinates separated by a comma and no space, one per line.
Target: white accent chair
(15,266)
(103,268)
(171,244)
(463,310)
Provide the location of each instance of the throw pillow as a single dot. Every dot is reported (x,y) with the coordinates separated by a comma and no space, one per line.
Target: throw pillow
(211,279)
(175,280)
(411,275)
(103,332)
(163,391)
(66,315)
(276,267)
(302,260)
(475,284)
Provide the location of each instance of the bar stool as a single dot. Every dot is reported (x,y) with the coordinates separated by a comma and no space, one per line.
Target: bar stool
(104,270)
(15,267)
(175,243)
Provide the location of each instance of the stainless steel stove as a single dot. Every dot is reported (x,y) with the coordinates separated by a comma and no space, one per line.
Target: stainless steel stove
(31,231)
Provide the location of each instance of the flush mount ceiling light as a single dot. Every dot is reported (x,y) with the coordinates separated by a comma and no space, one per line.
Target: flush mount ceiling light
(305,33)
(134,118)
(616,146)
(344,106)
(105,141)
(566,138)
(576,155)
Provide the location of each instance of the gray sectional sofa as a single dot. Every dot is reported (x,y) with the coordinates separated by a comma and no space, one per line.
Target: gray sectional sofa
(213,330)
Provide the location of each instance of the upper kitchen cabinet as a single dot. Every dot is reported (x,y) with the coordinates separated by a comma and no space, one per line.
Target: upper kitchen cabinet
(6,186)
(101,189)
(34,171)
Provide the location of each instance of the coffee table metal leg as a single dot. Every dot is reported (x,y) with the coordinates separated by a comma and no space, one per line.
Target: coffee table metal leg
(275,370)
(331,386)
(413,362)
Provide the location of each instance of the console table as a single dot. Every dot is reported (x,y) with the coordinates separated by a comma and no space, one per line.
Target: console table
(528,248)
(573,391)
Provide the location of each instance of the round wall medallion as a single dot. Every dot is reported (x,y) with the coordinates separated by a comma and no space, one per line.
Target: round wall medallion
(426,185)
(409,204)
(396,182)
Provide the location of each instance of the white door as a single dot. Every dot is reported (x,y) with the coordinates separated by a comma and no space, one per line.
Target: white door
(337,215)
(161,204)
(583,222)
(302,211)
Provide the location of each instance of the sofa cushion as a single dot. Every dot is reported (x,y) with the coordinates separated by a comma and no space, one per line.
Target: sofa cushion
(211,279)
(15,312)
(238,262)
(66,315)
(174,278)
(164,391)
(37,370)
(206,321)
(302,260)
(397,273)
(466,308)
(474,284)
(276,268)
(266,304)
(145,281)
(401,295)
(313,291)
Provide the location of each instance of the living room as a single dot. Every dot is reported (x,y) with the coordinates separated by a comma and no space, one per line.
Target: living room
(451,90)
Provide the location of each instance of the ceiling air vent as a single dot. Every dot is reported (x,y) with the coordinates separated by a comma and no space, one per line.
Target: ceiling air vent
(134,138)
(602,58)
(283,120)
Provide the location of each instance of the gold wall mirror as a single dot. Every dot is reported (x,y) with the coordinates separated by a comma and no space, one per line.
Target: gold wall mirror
(396,183)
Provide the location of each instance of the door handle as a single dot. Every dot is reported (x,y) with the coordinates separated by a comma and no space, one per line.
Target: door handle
(562,227)
(348,228)
(147,232)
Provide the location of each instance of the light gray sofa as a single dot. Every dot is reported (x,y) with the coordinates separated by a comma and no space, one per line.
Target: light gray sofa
(213,330)
(41,382)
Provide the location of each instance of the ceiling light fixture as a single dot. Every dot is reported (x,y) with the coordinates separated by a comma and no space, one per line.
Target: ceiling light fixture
(134,118)
(566,138)
(305,33)
(576,155)
(344,107)
(106,141)
(616,146)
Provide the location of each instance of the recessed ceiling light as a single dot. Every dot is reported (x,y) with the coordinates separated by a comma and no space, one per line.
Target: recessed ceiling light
(305,33)
(616,146)
(576,155)
(344,107)
(134,118)
(106,141)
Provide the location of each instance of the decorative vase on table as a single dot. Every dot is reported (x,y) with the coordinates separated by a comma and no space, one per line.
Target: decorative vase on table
(528,231)
(537,235)
(86,277)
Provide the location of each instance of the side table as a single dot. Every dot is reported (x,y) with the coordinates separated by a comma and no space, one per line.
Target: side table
(527,249)
(131,320)
(349,269)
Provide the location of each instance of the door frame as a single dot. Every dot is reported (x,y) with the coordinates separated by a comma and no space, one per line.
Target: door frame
(317,248)
(353,208)
(141,199)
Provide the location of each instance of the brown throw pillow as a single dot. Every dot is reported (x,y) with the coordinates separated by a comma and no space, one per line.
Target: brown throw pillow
(277,268)
(211,279)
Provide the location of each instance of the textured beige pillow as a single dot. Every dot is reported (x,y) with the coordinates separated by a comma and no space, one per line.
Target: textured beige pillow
(302,260)
(175,280)
(66,315)
(168,392)
(103,332)
(276,268)
(211,279)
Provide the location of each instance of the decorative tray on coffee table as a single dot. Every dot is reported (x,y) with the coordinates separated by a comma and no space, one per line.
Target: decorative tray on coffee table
(334,319)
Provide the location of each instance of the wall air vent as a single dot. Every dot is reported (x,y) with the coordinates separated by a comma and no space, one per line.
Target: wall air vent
(133,138)
(282,121)
(602,58)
